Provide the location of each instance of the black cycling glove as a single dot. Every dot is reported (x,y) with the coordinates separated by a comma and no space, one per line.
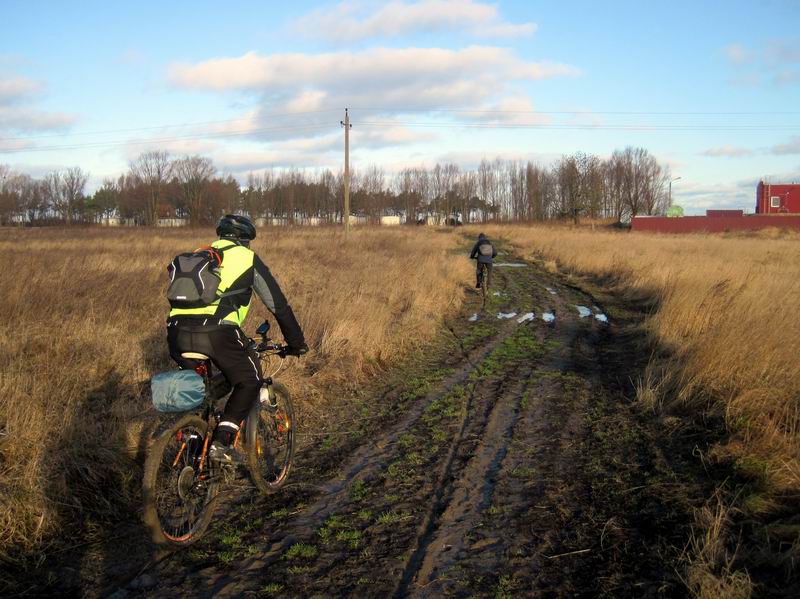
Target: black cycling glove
(296,351)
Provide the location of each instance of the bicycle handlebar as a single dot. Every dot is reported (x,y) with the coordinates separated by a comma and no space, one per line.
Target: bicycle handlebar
(266,347)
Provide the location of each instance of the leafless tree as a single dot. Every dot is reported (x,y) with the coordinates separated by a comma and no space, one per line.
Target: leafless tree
(466,190)
(151,170)
(193,174)
(73,183)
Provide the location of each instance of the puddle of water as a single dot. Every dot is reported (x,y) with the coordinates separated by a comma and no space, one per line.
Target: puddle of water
(601,317)
(473,318)
(502,315)
(583,311)
(551,291)
(548,317)
(510,264)
(526,317)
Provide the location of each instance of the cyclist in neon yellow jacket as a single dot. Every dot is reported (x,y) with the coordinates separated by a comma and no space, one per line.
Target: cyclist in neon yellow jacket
(214,330)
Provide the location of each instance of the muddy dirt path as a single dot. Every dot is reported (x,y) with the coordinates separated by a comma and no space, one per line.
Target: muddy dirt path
(523,469)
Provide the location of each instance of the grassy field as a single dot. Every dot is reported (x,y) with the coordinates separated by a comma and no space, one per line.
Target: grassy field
(83,331)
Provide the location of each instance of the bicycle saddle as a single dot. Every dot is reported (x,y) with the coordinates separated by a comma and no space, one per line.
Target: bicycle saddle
(193,355)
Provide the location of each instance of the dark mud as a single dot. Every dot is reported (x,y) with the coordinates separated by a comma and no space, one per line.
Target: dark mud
(517,464)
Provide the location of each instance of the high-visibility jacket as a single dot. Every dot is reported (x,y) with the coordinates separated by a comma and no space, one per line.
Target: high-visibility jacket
(241,273)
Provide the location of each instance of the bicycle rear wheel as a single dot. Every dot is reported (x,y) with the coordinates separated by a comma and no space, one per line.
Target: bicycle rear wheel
(270,441)
(180,493)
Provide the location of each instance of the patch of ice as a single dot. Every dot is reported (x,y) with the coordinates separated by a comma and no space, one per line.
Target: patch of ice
(526,317)
(551,291)
(473,318)
(510,264)
(502,315)
(583,311)
(499,294)
(601,317)
(548,317)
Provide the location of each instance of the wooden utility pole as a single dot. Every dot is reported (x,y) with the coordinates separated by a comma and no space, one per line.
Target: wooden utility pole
(346,124)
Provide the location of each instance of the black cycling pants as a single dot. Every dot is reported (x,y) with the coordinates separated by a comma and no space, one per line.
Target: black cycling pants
(229,350)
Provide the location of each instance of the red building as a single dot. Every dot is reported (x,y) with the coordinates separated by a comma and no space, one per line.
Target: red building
(777,198)
(776,206)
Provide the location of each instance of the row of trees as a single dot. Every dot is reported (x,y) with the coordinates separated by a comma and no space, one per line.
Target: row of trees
(155,186)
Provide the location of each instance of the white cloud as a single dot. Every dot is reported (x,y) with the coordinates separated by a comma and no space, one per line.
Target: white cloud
(14,118)
(698,197)
(727,151)
(16,94)
(175,147)
(17,89)
(387,134)
(302,95)
(373,69)
(507,30)
(515,109)
(776,63)
(790,147)
(240,163)
(14,145)
(471,159)
(348,22)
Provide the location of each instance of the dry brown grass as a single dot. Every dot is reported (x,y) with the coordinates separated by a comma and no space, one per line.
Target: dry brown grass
(82,332)
(724,308)
(711,571)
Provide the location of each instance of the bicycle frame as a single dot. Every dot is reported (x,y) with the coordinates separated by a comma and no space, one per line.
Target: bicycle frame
(265,349)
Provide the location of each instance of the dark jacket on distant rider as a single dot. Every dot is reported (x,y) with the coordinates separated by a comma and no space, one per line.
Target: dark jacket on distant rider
(476,252)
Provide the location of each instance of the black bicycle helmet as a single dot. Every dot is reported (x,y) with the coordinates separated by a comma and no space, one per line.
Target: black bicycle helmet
(236,226)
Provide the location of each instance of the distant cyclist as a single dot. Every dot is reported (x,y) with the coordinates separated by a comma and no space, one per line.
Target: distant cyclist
(484,252)
(213,329)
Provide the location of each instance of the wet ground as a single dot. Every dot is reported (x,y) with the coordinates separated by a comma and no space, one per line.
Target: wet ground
(514,462)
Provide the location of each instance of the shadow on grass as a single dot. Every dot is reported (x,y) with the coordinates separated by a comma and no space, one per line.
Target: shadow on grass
(92,477)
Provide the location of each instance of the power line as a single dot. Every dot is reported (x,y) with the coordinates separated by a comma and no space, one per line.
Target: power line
(108,144)
(412,110)
(582,112)
(474,124)
(588,127)
(168,126)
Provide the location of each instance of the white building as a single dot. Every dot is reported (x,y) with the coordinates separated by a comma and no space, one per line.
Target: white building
(172,222)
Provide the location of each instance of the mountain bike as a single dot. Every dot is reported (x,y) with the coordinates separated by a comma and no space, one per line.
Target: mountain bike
(181,484)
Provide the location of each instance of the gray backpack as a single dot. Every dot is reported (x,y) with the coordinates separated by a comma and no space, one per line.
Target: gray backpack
(485,249)
(194,278)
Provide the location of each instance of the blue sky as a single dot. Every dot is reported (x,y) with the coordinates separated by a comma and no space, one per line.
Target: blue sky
(712,89)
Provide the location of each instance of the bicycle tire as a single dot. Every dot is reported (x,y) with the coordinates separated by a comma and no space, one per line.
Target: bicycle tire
(258,428)
(180,535)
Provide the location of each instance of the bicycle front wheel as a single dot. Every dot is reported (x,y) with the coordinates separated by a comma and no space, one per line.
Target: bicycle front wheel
(270,441)
(180,491)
